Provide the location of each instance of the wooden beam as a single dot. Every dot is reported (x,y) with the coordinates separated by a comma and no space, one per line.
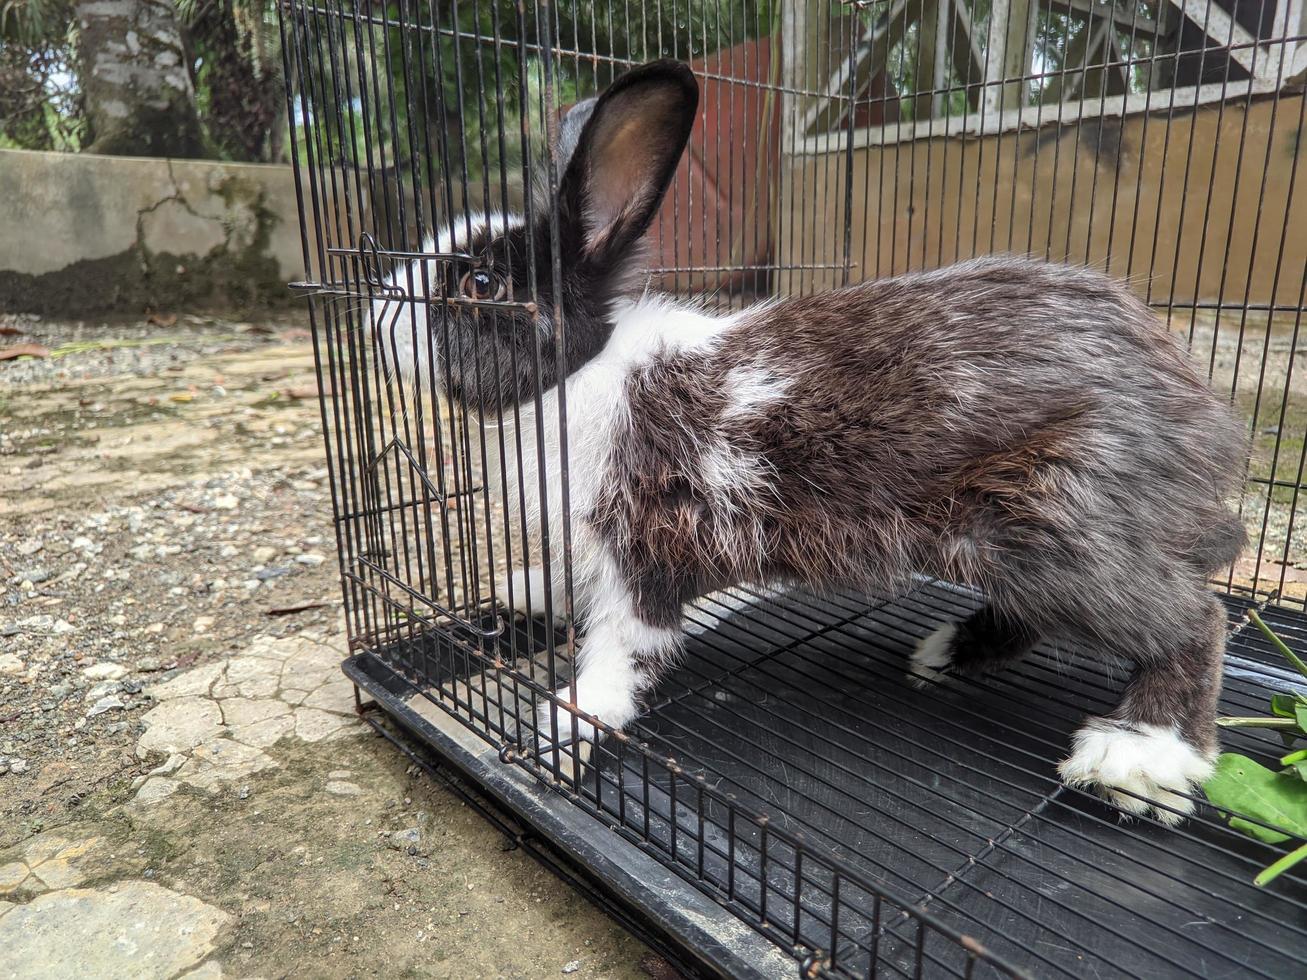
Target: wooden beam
(1223,29)
(1100,55)
(1074,64)
(1298,72)
(968,59)
(1287,22)
(1011,30)
(940,80)
(871,57)
(1126,18)
(927,59)
(1114,63)
(1032,117)
(800,21)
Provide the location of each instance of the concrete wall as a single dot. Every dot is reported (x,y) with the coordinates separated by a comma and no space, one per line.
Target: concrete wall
(82,234)
(1171,198)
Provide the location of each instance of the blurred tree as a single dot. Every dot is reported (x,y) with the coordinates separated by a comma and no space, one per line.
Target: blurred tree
(444,82)
(233,48)
(140,99)
(39,102)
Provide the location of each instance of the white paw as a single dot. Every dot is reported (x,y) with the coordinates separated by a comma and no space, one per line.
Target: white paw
(1147,760)
(527,590)
(612,707)
(932,655)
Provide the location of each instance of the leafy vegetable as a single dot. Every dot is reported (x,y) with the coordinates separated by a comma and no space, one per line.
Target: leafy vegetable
(1257,796)
(1276,798)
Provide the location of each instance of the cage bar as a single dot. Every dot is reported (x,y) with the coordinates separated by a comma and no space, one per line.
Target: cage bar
(785,779)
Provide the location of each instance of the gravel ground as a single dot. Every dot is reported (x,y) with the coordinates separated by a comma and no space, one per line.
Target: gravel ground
(176,743)
(176,746)
(1253,361)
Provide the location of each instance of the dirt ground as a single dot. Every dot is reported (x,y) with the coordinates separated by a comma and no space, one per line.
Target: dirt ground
(184,790)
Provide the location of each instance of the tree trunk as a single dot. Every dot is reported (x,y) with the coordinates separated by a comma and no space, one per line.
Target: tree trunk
(139,97)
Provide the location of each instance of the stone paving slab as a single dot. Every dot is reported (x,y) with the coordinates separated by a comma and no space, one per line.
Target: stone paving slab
(184,790)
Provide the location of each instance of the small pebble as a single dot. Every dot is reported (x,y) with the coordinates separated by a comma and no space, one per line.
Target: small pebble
(104,671)
(403,839)
(105,704)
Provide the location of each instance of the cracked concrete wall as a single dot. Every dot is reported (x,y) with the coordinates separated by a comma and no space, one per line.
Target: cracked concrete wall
(86,234)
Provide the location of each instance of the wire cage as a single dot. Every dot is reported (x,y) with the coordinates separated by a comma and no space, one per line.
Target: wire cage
(785,771)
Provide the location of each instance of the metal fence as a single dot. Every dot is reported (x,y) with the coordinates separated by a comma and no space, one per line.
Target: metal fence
(835,142)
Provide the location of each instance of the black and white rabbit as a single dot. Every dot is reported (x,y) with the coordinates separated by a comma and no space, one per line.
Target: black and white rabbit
(1027,428)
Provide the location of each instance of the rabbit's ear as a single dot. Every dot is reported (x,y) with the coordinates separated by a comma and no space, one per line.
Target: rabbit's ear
(626,154)
(569,130)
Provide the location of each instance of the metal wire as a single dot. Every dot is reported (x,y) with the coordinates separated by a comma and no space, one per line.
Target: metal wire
(786,769)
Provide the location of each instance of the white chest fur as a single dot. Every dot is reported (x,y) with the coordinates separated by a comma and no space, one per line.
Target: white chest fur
(530,472)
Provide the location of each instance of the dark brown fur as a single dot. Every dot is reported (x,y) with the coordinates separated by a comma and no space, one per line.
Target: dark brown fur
(1028,429)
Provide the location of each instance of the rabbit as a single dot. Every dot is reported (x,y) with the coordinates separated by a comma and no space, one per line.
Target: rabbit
(1029,429)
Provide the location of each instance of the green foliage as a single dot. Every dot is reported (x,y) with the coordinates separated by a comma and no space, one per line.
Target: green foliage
(236,64)
(39,102)
(1277,798)
(425,76)
(1255,795)
(32,22)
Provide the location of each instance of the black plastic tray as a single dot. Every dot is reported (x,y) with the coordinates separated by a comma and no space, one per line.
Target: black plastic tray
(944,800)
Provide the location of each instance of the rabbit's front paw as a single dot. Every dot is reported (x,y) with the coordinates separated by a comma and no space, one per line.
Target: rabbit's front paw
(613,708)
(1127,762)
(525,592)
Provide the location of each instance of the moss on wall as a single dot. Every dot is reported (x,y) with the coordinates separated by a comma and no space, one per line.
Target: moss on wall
(200,242)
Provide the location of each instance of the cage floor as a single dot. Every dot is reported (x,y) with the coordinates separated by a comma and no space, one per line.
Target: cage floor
(796,707)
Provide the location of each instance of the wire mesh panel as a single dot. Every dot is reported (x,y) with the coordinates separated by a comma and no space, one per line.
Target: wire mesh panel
(785,768)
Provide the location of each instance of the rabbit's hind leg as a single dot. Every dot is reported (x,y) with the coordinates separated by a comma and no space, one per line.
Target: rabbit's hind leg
(984,642)
(1159,745)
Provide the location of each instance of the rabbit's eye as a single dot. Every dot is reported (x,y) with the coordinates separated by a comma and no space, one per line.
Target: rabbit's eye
(484,285)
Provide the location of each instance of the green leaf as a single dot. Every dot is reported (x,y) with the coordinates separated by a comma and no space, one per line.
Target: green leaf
(1258,831)
(1282,705)
(1251,790)
(1300,767)
(1300,713)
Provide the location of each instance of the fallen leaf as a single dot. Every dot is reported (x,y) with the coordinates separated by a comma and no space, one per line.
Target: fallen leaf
(162,319)
(181,396)
(9,331)
(306,391)
(23,350)
(299,607)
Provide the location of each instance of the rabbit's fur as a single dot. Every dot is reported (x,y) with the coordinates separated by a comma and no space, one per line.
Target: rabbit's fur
(1026,428)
